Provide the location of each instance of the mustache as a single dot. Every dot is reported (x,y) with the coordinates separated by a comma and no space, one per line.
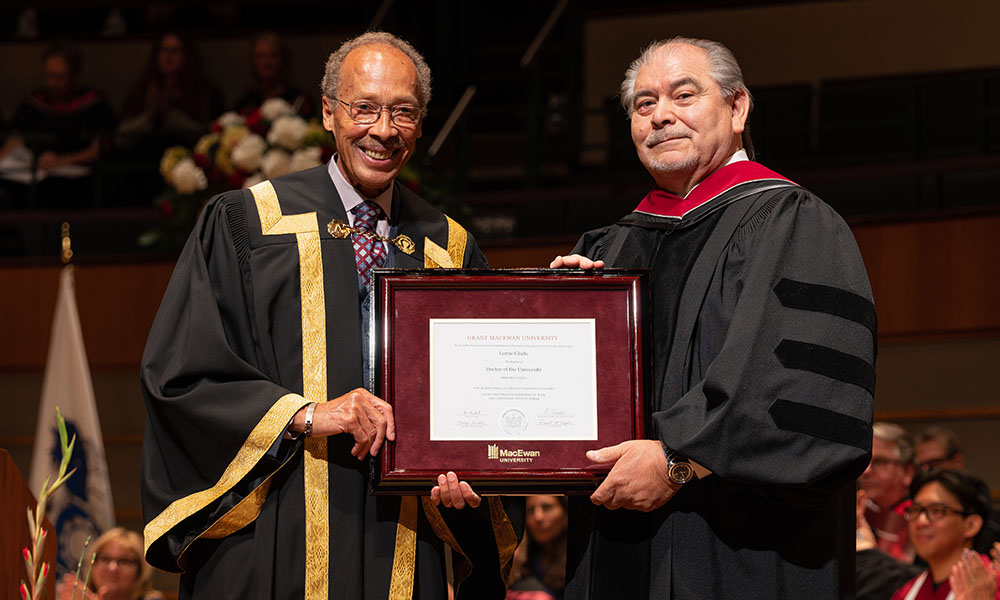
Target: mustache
(388,144)
(661,135)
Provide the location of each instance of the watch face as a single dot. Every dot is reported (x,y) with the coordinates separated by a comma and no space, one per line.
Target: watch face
(680,472)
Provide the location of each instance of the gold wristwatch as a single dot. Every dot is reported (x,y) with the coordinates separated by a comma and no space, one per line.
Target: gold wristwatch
(679,470)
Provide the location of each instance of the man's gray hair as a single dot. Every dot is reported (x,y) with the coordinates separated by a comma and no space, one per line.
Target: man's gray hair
(894,434)
(331,77)
(724,68)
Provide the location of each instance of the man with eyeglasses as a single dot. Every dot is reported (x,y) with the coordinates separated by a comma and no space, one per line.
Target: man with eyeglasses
(259,426)
(937,448)
(886,482)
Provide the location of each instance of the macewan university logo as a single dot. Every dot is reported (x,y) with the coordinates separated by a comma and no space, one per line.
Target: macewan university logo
(519,455)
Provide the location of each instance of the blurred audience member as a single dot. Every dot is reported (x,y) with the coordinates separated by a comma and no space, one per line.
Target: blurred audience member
(172,99)
(947,511)
(172,104)
(937,448)
(119,571)
(57,132)
(886,482)
(878,574)
(540,560)
(270,60)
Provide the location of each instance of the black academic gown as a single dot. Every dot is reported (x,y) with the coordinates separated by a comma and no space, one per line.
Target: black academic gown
(764,344)
(222,374)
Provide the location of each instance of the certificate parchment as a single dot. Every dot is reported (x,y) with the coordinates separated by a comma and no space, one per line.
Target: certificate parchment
(513,379)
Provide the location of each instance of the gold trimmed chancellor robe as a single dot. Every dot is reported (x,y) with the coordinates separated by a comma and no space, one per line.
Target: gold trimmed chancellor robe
(263,315)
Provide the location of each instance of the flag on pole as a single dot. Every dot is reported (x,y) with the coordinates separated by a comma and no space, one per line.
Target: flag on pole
(83,506)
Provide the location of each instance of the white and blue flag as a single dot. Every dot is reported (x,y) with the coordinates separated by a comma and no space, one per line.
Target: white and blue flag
(83,506)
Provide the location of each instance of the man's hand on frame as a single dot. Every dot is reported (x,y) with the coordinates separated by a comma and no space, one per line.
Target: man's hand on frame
(575,261)
(638,480)
(454,493)
(358,413)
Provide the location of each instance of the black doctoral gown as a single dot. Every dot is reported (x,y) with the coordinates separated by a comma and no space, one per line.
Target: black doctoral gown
(262,315)
(763,352)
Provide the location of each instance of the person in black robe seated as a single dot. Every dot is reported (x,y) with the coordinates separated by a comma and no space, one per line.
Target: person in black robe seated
(762,368)
(269,59)
(172,104)
(57,134)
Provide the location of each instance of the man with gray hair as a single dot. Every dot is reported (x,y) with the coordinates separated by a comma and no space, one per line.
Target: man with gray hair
(259,430)
(763,354)
(886,483)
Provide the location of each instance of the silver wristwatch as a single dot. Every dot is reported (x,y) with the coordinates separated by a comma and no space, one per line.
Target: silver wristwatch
(307,429)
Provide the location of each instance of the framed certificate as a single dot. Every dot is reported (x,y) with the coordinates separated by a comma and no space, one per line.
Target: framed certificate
(506,377)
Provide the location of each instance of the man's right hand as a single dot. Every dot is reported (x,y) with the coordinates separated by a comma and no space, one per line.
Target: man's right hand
(575,261)
(358,413)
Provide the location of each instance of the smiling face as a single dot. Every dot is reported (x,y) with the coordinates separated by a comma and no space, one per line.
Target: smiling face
(371,155)
(943,540)
(682,127)
(116,569)
(886,480)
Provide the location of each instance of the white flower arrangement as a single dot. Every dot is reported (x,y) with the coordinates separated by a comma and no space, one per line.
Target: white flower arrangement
(231,119)
(188,177)
(274,108)
(288,132)
(276,162)
(305,158)
(248,152)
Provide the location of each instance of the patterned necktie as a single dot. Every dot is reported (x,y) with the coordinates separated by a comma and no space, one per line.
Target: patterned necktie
(368,252)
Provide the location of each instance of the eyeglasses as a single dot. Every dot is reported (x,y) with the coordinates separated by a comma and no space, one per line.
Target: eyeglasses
(366,112)
(123,563)
(935,463)
(881,462)
(935,512)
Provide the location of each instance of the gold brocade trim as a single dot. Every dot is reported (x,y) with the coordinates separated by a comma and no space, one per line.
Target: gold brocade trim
(405,556)
(457,238)
(317,494)
(454,257)
(239,516)
(305,226)
(441,529)
(435,256)
(506,537)
(404,559)
(271,425)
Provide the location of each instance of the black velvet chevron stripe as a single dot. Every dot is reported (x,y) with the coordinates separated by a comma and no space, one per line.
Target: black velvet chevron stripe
(827,362)
(826,299)
(822,423)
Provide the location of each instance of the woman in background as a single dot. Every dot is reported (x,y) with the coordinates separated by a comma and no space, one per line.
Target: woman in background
(119,571)
(540,560)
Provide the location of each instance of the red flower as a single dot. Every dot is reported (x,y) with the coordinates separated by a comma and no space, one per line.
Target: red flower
(216,128)
(45,570)
(166,207)
(27,554)
(255,122)
(203,161)
(24,591)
